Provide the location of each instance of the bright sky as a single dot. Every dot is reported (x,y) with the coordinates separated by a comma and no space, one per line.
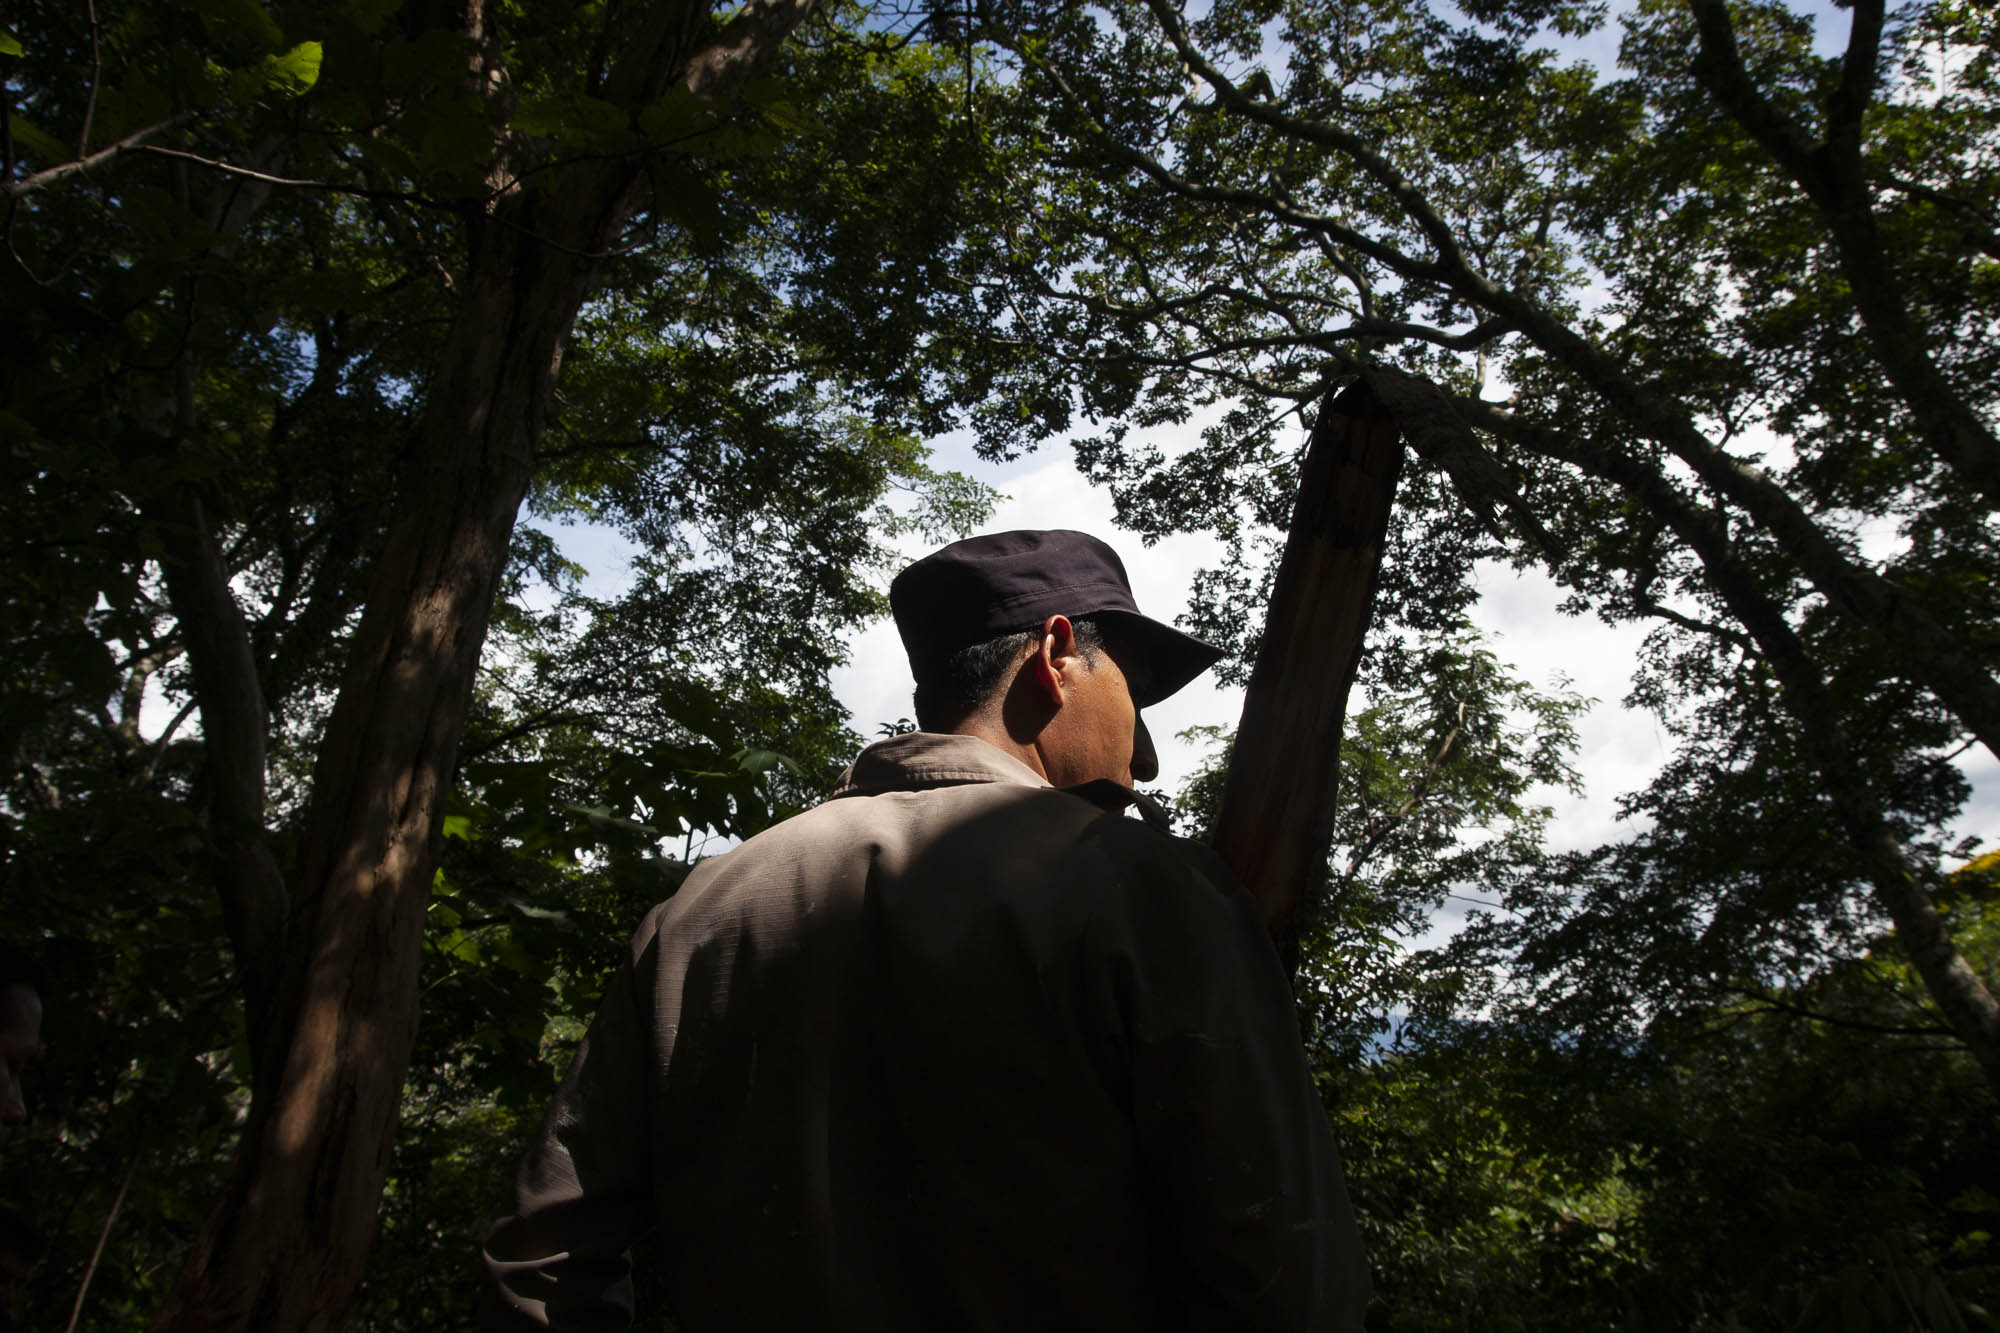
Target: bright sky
(1620,748)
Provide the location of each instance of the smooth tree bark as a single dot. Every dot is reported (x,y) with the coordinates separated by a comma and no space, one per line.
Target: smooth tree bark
(285,1247)
(1275,824)
(234,723)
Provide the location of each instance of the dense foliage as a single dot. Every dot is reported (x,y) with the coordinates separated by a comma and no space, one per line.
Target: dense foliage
(177,373)
(1257,201)
(1709,338)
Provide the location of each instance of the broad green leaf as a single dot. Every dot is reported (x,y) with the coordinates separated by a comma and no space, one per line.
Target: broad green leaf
(573,119)
(763,761)
(295,71)
(36,142)
(284,75)
(239,20)
(675,119)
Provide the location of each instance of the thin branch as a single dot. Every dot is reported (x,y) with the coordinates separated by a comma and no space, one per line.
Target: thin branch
(1772,1004)
(1324,340)
(245,173)
(1399,186)
(527,726)
(1391,822)
(64,170)
(1858,74)
(1473,339)
(1832,177)
(1481,902)
(1165,176)
(159,748)
(1927,649)
(96,77)
(1719,66)
(1900,889)
(97,1251)
(1979,227)
(1349,270)
(1738,638)
(1963,746)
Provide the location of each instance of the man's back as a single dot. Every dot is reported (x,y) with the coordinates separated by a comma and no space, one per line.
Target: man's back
(958,1050)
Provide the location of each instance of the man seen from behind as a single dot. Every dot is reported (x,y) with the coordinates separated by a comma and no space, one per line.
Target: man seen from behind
(963,1048)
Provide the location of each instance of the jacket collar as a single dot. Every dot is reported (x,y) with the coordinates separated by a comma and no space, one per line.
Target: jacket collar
(920,759)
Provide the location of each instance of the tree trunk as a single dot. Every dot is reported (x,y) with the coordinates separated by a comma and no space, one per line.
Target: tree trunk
(285,1247)
(233,725)
(1276,819)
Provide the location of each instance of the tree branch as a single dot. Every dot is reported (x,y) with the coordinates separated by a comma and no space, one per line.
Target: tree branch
(1959,992)
(1719,67)
(1832,177)
(1979,228)
(1443,240)
(1926,649)
(1647,605)
(265,178)
(48,176)
(1929,651)
(96,78)
(1394,820)
(1164,176)
(1773,1004)
(159,748)
(233,725)
(1858,74)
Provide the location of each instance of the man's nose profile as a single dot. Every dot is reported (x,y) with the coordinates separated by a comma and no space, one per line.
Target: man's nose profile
(1145,759)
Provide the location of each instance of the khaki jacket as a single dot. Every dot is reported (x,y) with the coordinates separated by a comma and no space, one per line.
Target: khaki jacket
(955,1050)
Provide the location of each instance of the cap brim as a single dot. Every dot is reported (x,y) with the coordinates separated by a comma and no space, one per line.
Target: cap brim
(1175,658)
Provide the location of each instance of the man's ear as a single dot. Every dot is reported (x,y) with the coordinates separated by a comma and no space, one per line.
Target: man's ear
(1053,658)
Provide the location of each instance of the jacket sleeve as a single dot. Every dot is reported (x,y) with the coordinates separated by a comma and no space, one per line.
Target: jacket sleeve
(1232,1136)
(562,1260)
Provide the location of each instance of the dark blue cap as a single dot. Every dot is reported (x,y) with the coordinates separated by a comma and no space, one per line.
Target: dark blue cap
(1006,582)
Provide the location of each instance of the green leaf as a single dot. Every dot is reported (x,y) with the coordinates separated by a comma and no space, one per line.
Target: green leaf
(552,915)
(10,45)
(675,118)
(239,20)
(296,71)
(36,142)
(573,119)
(286,75)
(763,761)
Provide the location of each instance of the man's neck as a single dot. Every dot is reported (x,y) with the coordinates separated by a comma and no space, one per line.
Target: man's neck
(995,734)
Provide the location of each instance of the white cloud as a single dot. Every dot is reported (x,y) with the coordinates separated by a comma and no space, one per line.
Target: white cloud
(1980,817)
(1620,749)
(1046,491)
